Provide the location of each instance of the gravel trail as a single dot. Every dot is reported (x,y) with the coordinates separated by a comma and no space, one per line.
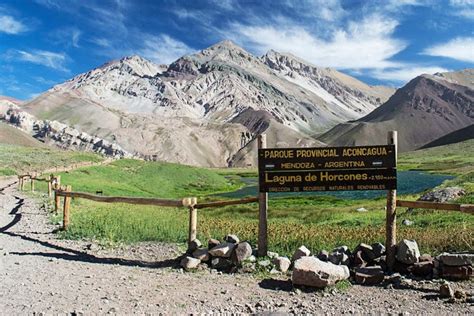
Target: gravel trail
(41,274)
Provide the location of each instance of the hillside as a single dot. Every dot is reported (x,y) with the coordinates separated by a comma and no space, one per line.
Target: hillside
(195,110)
(425,109)
(15,136)
(460,135)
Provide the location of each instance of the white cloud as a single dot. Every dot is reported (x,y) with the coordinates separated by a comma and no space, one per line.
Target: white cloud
(464,8)
(68,36)
(460,48)
(103,42)
(44,58)
(163,49)
(363,44)
(9,25)
(405,73)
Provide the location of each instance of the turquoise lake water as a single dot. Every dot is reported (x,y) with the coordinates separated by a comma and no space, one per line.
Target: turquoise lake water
(409,182)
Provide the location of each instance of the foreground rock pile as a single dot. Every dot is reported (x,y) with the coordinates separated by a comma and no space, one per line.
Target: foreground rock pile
(365,264)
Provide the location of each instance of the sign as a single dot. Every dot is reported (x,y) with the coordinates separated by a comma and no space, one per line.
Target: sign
(327,169)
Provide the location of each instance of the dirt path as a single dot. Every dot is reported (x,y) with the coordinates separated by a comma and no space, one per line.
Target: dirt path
(44,275)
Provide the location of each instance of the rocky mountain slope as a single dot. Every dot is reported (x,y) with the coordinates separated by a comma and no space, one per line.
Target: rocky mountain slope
(460,135)
(427,108)
(195,110)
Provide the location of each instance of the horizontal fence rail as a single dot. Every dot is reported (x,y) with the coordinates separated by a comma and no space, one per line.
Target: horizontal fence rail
(225,203)
(465,208)
(186,202)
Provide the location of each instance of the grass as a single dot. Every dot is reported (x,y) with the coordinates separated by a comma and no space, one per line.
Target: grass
(319,222)
(16,159)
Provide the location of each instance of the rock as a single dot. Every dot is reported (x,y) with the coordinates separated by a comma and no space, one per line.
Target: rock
(241,252)
(456,259)
(264,263)
(395,278)
(361,209)
(232,239)
(367,252)
(323,255)
(221,264)
(426,258)
(358,260)
(378,249)
(211,243)
(407,222)
(189,263)
(311,271)
(252,258)
(460,295)
(422,269)
(339,258)
(382,262)
(401,267)
(223,250)
(457,273)
(201,254)
(443,195)
(272,255)
(407,251)
(194,245)
(281,263)
(446,291)
(369,275)
(300,252)
(342,249)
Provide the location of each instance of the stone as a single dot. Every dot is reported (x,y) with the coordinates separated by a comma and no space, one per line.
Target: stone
(407,251)
(223,250)
(281,263)
(189,263)
(367,252)
(378,249)
(339,258)
(382,262)
(401,267)
(395,278)
(361,209)
(443,195)
(211,243)
(369,275)
(221,264)
(422,269)
(426,258)
(456,259)
(460,295)
(311,271)
(232,239)
(342,249)
(358,260)
(272,255)
(194,245)
(264,263)
(241,252)
(201,254)
(407,222)
(446,291)
(252,258)
(323,255)
(457,273)
(300,252)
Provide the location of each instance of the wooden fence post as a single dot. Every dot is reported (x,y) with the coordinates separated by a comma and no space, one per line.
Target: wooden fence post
(391,214)
(57,199)
(192,224)
(50,185)
(262,209)
(66,209)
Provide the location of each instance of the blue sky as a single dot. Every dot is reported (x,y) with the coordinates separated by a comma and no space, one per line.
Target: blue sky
(45,42)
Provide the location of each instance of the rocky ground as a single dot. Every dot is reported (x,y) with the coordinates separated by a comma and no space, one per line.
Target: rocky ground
(41,274)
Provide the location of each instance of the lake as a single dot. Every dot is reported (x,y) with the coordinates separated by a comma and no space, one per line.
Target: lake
(409,182)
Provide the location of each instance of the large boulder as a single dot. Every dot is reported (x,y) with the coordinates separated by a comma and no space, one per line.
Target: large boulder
(211,243)
(232,239)
(456,259)
(442,195)
(241,252)
(201,254)
(407,251)
(311,271)
(300,252)
(457,273)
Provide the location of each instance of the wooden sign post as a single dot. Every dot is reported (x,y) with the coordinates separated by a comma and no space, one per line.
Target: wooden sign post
(391,215)
(262,209)
(328,169)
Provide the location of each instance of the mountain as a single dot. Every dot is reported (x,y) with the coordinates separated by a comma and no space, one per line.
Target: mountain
(195,110)
(427,108)
(458,136)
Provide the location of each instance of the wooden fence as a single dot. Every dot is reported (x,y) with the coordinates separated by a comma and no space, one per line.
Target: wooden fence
(54,185)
